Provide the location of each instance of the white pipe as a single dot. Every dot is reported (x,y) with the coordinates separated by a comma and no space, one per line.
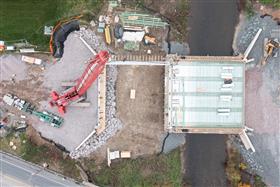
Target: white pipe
(90,135)
(88,46)
(249,129)
(251,45)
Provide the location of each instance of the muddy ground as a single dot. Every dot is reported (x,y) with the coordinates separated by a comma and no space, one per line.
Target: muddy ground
(142,117)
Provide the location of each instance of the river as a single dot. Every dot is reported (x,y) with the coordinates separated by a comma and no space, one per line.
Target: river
(212,25)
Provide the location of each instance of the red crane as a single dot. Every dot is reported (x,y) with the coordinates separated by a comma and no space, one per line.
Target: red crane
(91,73)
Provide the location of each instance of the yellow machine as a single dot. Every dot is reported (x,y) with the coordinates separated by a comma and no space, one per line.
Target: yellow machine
(150,39)
(270,49)
(107,35)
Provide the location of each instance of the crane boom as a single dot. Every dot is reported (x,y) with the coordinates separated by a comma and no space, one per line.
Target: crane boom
(91,73)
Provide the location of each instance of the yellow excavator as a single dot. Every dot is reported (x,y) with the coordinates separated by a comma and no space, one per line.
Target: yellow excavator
(270,49)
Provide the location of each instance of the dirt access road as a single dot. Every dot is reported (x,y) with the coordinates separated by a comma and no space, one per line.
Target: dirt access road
(211,33)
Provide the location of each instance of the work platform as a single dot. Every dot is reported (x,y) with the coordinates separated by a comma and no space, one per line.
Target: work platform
(204,94)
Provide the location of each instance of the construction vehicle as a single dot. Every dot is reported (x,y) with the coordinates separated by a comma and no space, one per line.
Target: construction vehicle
(48,117)
(149,40)
(27,107)
(74,93)
(271,46)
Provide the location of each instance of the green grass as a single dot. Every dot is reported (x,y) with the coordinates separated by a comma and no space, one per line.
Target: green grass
(152,171)
(274,3)
(249,9)
(31,152)
(259,182)
(25,19)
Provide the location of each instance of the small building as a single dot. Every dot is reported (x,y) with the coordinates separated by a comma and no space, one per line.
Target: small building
(205,95)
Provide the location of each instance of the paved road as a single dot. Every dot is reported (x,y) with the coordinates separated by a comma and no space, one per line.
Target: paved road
(212,25)
(16,172)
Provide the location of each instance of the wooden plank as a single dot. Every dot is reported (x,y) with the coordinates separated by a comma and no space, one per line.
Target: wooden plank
(101,102)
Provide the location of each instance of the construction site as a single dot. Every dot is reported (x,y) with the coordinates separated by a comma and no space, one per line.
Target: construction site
(109,85)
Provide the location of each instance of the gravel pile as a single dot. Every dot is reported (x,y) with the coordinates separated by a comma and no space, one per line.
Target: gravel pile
(113,124)
(92,39)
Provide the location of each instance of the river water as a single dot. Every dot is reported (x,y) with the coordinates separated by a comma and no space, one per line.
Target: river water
(212,24)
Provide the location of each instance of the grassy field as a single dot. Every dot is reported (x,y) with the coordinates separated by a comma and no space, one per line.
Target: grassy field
(163,170)
(25,19)
(274,3)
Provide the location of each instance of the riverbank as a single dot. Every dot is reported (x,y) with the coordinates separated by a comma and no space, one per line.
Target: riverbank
(262,102)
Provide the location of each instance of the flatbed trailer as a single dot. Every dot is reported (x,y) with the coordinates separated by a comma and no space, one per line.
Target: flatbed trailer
(22,105)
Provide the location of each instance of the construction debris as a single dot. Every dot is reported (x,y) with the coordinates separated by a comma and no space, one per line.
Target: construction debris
(31,60)
(132,94)
(111,155)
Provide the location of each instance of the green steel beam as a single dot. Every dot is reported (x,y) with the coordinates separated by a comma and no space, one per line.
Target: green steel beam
(206,109)
(216,94)
(209,125)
